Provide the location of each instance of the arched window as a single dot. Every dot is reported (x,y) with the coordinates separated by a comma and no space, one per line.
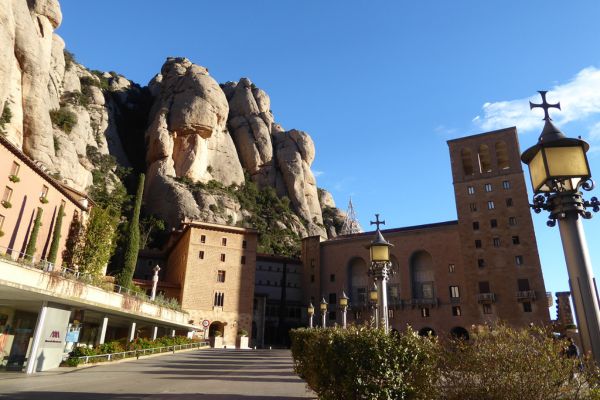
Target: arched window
(467,161)
(358,282)
(394,284)
(459,332)
(421,266)
(485,161)
(502,155)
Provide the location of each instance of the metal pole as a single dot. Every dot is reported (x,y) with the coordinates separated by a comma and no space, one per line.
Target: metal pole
(383,303)
(344,309)
(310,320)
(375,311)
(583,285)
(323,319)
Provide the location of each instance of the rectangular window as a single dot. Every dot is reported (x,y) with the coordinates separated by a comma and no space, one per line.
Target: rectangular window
(220,276)
(523,285)
(424,312)
(454,292)
(477,244)
(519,260)
(506,184)
(243,260)
(488,187)
(222,257)
(312,278)
(394,294)
(456,311)
(451,268)
(14,170)
(480,262)
(512,221)
(332,316)
(509,202)
(1,221)
(491,205)
(332,278)
(476,225)
(487,308)
(470,190)
(493,223)
(526,306)
(202,238)
(496,241)
(516,240)
(244,244)
(201,254)
(473,206)
(7,194)
(390,313)
(484,287)
(219,299)
(427,290)
(332,298)
(223,241)
(361,295)
(44,192)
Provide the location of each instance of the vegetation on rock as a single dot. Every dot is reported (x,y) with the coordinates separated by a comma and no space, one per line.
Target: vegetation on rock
(5,118)
(63,119)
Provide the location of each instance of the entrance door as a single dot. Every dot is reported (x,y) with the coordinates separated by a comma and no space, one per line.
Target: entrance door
(24,324)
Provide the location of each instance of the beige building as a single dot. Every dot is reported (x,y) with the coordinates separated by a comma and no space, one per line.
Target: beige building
(451,275)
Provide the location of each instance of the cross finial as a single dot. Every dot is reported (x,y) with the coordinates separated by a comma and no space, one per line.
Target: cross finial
(377,221)
(544,105)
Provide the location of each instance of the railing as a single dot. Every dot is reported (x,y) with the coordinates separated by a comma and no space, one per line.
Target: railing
(419,302)
(486,298)
(28,261)
(525,295)
(141,352)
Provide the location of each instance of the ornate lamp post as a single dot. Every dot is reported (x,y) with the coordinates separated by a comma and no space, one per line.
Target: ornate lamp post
(559,168)
(373,300)
(344,306)
(311,314)
(323,307)
(154,282)
(381,270)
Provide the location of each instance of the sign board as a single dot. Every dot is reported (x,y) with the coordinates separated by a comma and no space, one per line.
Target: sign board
(205,323)
(52,343)
(72,336)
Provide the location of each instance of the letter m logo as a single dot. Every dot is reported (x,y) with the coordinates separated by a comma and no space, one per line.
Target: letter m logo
(55,335)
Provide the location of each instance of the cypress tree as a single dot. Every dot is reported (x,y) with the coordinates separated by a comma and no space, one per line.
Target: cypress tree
(56,235)
(132,246)
(30,249)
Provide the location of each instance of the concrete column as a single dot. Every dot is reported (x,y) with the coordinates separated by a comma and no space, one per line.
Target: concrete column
(154,333)
(102,332)
(132,332)
(173,333)
(37,337)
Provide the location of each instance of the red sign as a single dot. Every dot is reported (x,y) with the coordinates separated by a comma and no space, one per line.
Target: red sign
(205,323)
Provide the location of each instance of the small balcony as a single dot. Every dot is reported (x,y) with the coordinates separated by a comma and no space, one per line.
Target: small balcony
(486,298)
(424,302)
(526,295)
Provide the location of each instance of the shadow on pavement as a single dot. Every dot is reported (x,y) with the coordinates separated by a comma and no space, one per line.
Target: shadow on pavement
(135,396)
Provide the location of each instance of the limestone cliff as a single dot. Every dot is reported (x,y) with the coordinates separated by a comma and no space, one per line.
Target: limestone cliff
(204,144)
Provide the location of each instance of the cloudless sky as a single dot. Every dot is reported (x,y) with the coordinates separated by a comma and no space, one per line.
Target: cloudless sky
(379,85)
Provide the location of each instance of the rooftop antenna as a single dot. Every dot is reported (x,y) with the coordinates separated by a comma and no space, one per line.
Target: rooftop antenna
(351,224)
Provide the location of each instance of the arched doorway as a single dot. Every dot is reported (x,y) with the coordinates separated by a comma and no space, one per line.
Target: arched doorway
(423,277)
(426,331)
(459,332)
(215,327)
(358,282)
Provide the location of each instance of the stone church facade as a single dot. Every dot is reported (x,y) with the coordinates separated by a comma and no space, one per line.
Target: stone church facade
(450,276)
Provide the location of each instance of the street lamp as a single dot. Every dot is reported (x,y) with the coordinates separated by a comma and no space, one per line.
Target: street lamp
(344,306)
(381,270)
(373,299)
(323,307)
(311,313)
(559,168)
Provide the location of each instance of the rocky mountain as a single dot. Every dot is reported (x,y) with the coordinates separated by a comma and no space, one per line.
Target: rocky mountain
(208,148)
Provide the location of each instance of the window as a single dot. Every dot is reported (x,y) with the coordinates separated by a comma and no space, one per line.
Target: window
(244,244)
(7,194)
(496,241)
(487,187)
(424,312)
(312,278)
(361,295)
(14,170)
(523,285)
(390,313)
(222,257)
(485,163)
(480,262)
(427,290)
(1,221)
(223,241)
(526,306)
(219,299)
(332,278)
(220,276)
(512,221)
(506,184)
(243,260)
(493,223)
(357,315)
(332,316)
(484,287)
(477,244)
(456,311)
(467,161)
(451,268)
(515,240)
(44,191)
(519,260)
(487,308)
(202,238)
(470,190)
(473,206)
(509,202)
(332,298)
(502,155)
(201,254)
(491,205)
(394,294)
(476,225)
(268,282)
(454,292)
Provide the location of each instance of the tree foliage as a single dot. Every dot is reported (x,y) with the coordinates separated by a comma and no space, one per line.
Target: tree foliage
(150,227)
(30,249)
(93,252)
(63,119)
(53,253)
(132,245)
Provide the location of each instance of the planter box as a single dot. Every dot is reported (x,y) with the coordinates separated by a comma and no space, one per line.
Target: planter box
(216,342)
(242,342)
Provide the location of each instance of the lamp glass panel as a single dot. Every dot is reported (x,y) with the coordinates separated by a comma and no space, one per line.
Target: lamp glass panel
(566,161)
(380,253)
(311,310)
(373,295)
(343,301)
(323,306)
(537,170)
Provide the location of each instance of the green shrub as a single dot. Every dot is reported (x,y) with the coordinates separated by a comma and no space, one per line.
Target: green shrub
(63,119)
(14,178)
(242,332)
(69,59)
(5,118)
(6,204)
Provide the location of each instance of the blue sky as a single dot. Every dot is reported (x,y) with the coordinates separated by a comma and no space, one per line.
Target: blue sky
(379,85)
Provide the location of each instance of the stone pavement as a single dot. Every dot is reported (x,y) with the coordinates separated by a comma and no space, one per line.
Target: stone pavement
(202,374)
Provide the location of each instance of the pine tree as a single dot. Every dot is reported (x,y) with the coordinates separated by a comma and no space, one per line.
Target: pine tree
(30,249)
(132,246)
(56,235)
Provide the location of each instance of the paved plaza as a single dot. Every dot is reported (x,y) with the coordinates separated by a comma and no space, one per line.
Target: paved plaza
(202,374)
